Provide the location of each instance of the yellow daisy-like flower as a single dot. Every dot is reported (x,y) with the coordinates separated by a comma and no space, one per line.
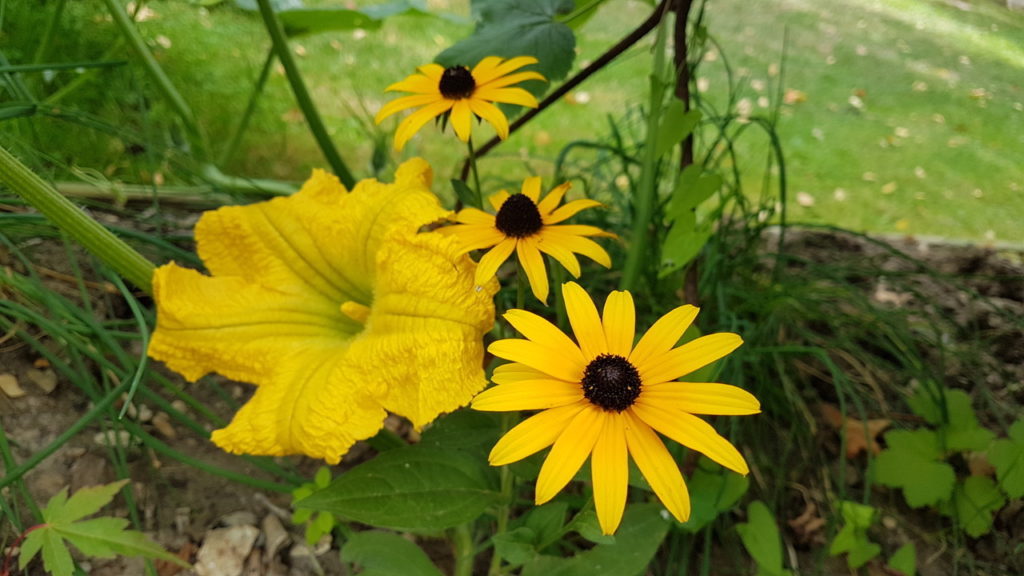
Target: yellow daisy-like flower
(335,307)
(526,224)
(604,398)
(462,93)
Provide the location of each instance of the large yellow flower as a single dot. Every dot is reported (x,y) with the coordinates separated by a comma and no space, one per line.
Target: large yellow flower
(332,304)
(526,224)
(603,397)
(463,94)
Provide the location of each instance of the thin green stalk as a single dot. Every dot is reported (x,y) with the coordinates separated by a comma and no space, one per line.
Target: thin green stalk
(121,257)
(463,541)
(479,193)
(9,464)
(46,39)
(302,98)
(507,491)
(164,84)
(250,108)
(84,78)
(647,190)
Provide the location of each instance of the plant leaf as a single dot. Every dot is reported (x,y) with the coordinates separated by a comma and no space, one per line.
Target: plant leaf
(963,433)
(676,124)
(1007,455)
(853,537)
(976,500)
(693,189)
(760,536)
(83,503)
(904,560)
(387,554)
(713,490)
(414,488)
(910,463)
(517,546)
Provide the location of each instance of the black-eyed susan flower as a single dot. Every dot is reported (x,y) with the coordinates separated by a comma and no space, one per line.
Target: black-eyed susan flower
(334,306)
(462,94)
(604,398)
(528,225)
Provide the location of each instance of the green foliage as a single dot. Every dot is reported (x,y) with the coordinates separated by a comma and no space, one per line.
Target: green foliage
(974,505)
(635,544)
(913,462)
(540,528)
(676,124)
(852,539)
(317,523)
(760,536)
(713,490)
(904,560)
(688,234)
(1007,455)
(415,488)
(953,413)
(386,554)
(102,537)
(303,21)
(510,28)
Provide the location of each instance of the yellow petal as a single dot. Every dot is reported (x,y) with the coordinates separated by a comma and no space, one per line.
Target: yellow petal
(474,216)
(403,103)
(528,395)
(516,96)
(551,201)
(433,72)
(691,356)
(472,237)
(545,334)
(570,210)
(533,265)
(485,68)
(564,256)
(538,357)
(417,84)
(497,199)
(578,244)
(569,452)
(493,259)
(492,114)
(533,435)
(531,188)
(691,432)
(515,372)
(619,323)
(663,335)
(703,398)
(514,79)
(657,466)
(462,120)
(609,467)
(412,124)
(322,186)
(586,324)
(488,69)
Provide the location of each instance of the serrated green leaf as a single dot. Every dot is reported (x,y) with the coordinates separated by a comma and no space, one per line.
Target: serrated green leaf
(676,124)
(108,537)
(387,554)
(952,412)
(636,542)
(510,28)
(910,463)
(760,536)
(1007,456)
(713,490)
(56,556)
(516,546)
(414,488)
(81,504)
(904,560)
(30,546)
(977,500)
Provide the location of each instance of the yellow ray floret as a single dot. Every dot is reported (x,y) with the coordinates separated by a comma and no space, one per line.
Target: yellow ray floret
(461,94)
(603,398)
(334,306)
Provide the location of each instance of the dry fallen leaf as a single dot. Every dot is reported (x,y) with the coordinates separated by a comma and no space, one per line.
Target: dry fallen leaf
(9,384)
(860,436)
(807,524)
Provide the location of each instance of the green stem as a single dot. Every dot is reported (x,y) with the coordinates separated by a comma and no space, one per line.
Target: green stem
(250,108)
(302,98)
(83,78)
(505,506)
(463,541)
(479,193)
(98,240)
(647,190)
(163,83)
(46,40)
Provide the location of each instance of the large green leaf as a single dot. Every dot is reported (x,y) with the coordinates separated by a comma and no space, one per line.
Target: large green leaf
(676,124)
(954,413)
(414,488)
(713,490)
(976,500)
(911,463)
(510,28)
(299,20)
(386,554)
(637,540)
(1007,455)
(760,536)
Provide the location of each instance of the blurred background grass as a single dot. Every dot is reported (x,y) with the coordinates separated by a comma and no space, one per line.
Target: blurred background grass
(903,116)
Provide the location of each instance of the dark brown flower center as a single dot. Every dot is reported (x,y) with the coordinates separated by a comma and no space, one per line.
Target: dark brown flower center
(457,83)
(518,217)
(611,382)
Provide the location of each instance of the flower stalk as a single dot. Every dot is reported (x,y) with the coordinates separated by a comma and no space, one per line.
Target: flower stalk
(114,252)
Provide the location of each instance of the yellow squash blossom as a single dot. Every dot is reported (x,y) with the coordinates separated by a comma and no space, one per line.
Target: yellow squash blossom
(604,398)
(334,307)
(528,225)
(462,93)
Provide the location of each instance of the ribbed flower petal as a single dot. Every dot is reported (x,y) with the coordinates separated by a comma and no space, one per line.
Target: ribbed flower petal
(528,395)
(462,119)
(403,103)
(703,398)
(514,79)
(586,324)
(516,372)
(663,335)
(491,114)
(563,255)
(657,466)
(619,322)
(497,199)
(433,72)
(417,119)
(691,356)
(538,357)
(493,259)
(578,244)
(531,188)
(553,199)
(609,467)
(417,84)
(474,216)
(569,452)
(473,237)
(571,209)
(533,265)
(691,432)
(516,96)
(533,434)
(544,333)
(488,70)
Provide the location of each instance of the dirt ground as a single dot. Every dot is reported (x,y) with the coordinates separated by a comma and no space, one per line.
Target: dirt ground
(243,528)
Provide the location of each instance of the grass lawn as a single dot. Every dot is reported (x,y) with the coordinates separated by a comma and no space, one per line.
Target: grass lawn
(902,116)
